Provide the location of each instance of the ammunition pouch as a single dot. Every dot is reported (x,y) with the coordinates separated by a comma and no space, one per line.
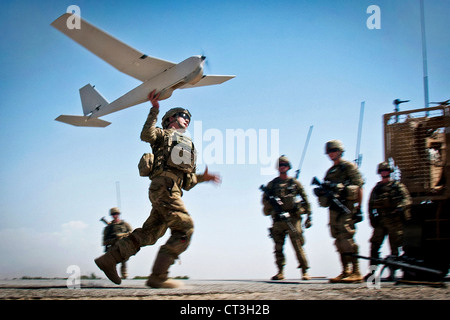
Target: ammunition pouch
(351,192)
(324,201)
(145,165)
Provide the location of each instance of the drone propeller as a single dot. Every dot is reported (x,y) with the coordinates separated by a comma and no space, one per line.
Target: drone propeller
(207,63)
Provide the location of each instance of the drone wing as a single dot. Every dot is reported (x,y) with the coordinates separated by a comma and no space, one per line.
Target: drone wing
(208,81)
(116,53)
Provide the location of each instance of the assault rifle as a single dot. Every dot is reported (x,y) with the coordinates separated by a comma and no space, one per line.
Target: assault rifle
(104,221)
(403,262)
(277,205)
(328,190)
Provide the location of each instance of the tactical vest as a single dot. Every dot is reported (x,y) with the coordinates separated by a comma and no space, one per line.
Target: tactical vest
(114,229)
(176,152)
(286,190)
(386,196)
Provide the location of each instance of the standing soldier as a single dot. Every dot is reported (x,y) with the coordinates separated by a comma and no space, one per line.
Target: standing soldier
(115,230)
(388,210)
(172,169)
(344,175)
(284,190)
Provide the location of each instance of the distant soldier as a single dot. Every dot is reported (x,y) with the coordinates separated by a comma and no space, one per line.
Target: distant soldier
(389,205)
(348,181)
(172,169)
(286,189)
(115,230)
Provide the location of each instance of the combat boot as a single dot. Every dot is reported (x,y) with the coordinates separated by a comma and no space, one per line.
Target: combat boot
(305,275)
(355,276)
(278,276)
(159,277)
(345,270)
(107,263)
(344,274)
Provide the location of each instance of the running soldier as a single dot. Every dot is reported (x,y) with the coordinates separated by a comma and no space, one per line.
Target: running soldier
(173,168)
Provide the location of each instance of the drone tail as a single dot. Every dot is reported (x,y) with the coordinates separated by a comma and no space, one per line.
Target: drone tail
(91,101)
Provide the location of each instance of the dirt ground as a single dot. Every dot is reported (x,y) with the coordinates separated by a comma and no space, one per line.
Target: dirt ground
(219,299)
(318,289)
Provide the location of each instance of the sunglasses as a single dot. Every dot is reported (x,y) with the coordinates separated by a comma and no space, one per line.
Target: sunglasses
(333,150)
(284,164)
(184,115)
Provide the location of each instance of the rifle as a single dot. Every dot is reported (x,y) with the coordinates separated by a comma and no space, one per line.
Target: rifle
(105,221)
(402,262)
(328,190)
(277,205)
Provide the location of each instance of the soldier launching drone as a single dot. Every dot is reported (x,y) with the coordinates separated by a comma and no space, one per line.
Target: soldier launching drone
(171,167)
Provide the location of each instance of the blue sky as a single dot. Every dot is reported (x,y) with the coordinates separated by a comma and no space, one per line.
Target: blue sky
(297,64)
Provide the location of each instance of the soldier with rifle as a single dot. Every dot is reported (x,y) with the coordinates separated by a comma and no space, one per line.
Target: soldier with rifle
(389,204)
(280,202)
(115,230)
(342,193)
(172,169)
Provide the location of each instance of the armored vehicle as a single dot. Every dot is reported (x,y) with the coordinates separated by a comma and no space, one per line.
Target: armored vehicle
(417,144)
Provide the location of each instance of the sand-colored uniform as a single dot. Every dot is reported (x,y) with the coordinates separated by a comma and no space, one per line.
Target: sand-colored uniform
(287,190)
(388,209)
(114,232)
(165,192)
(342,227)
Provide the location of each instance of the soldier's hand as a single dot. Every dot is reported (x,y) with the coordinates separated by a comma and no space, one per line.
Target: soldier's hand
(211,176)
(154,97)
(308,222)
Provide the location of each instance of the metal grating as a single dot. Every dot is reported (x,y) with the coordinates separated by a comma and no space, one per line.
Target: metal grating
(415,142)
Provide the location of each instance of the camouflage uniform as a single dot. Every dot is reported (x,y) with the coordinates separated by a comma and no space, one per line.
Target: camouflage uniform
(286,190)
(389,204)
(168,210)
(342,226)
(111,234)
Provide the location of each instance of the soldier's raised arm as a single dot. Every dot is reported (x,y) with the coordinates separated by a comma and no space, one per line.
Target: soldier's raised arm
(150,133)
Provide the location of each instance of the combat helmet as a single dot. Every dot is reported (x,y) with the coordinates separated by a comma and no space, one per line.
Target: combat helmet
(114,211)
(172,112)
(283,158)
(334,144)
(384,166)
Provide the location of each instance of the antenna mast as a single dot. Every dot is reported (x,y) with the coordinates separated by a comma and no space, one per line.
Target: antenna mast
(358,156)
(424,54)
(297,172)
(118,194)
